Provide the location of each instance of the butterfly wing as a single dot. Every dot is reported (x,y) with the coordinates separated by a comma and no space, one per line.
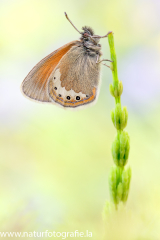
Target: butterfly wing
(75,80)
(35,85)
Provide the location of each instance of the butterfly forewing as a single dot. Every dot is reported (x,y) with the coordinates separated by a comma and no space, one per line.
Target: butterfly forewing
(35,85)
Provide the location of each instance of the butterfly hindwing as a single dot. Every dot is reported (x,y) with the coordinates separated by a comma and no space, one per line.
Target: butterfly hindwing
(74,82)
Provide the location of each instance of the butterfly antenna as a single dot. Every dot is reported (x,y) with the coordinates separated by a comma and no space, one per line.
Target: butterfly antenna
(71,22)
(97,36)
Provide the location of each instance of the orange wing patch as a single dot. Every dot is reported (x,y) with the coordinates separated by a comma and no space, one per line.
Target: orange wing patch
(36,82)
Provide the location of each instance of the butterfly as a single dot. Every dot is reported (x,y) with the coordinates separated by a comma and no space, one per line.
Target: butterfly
(68,77)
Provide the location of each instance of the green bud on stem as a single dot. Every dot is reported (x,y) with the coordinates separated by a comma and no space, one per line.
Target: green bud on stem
(116,91)
(120,149)
(119,117)
(119,182)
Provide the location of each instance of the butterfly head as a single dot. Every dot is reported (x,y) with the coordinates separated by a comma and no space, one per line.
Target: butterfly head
(88,35)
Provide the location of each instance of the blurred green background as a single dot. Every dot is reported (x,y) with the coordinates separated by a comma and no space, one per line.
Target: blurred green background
(54,164)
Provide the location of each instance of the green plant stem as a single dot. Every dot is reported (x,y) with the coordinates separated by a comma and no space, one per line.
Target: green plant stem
(119,179)
(114,64)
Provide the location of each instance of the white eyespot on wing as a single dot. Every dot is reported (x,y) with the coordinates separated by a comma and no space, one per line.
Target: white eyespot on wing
(73,95)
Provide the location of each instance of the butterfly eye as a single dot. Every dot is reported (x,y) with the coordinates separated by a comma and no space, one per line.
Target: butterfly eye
(86,35)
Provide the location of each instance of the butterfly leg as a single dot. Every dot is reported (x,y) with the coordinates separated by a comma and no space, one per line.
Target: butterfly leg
(104,60)
(104,63)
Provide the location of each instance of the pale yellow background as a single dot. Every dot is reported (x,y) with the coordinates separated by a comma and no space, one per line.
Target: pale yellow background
(54,164)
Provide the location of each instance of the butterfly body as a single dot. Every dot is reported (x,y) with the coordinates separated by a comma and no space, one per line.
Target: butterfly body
(68,77)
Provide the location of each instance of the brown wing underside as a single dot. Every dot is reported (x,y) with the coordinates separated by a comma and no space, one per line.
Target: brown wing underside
(78,79)
(79,71)
(35,84)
